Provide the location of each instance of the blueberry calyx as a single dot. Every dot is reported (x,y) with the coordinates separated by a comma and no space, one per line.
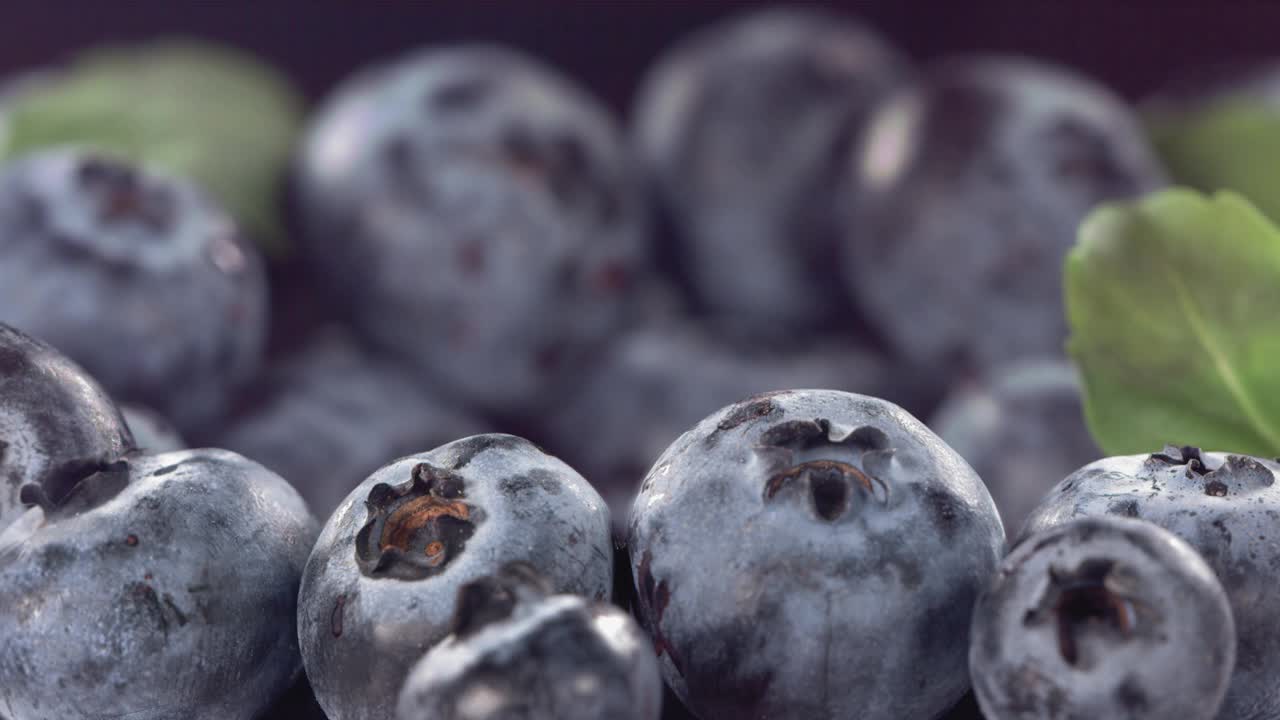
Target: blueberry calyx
(1185,455)
(76,486)
(1087,599)
(829,484)
(123,197)
(416,529)
(803,449)
(1239,471)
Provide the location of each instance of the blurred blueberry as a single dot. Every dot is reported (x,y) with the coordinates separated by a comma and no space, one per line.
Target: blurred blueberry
(476,213)
(1022,430)
(136,276)
(970,186)
(743,128)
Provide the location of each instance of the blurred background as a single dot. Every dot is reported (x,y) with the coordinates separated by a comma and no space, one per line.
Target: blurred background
(1133,46)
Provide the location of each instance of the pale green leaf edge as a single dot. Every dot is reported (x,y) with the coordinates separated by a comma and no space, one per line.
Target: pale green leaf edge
(1097,227)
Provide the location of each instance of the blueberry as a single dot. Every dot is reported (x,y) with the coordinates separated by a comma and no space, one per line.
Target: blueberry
(333,413)
(1022,430)
(742,127)
(970,185)
(152,433)
(156,586)
(477,215)
(55,421)
(134,275)
(660,379)
(1103,617)
(1226,507)
(812,554)
(381,584)
(515,650)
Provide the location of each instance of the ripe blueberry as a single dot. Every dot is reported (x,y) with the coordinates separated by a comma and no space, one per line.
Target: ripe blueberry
(516,650)
(812,554)
(134,275)
(381,585)
(1102,617)
(477,215)
(55,421)
(156,586)
(1223,505)
(743,128)
(970,185)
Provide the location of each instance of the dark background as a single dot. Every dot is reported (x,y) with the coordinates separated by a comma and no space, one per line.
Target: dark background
(1132,46)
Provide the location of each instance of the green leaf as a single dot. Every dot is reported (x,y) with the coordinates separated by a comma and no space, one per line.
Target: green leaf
(1230,144)
(1174,306)
(209,113)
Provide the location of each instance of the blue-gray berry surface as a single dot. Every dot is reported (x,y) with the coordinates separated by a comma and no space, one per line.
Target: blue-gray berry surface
(159,587)
(477,214)
(55,421)
(517,651)
(970,184)
(136,276)
(381,586)
(812,554)
(328,416)
(1102,617)
(1225,506)
(742,128)
(1022,429)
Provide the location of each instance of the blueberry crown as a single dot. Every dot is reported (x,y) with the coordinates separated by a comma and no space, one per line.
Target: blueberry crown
(416,529)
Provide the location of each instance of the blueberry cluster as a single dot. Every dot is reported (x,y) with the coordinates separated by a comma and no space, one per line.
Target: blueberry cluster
(725,321)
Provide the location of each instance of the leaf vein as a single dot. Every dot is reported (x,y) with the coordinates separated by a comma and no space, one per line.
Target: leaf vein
(1230,379)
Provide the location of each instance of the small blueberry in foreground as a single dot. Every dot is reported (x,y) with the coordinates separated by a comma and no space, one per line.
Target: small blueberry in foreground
(381,586)
(134,275)
(516,650)
(1103,618)
(812,554)
(157,586)
(1223,505)
(55,421)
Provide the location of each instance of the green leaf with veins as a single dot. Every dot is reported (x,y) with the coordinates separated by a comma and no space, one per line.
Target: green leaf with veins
(1229,144)
(1174,307)
(209,113)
